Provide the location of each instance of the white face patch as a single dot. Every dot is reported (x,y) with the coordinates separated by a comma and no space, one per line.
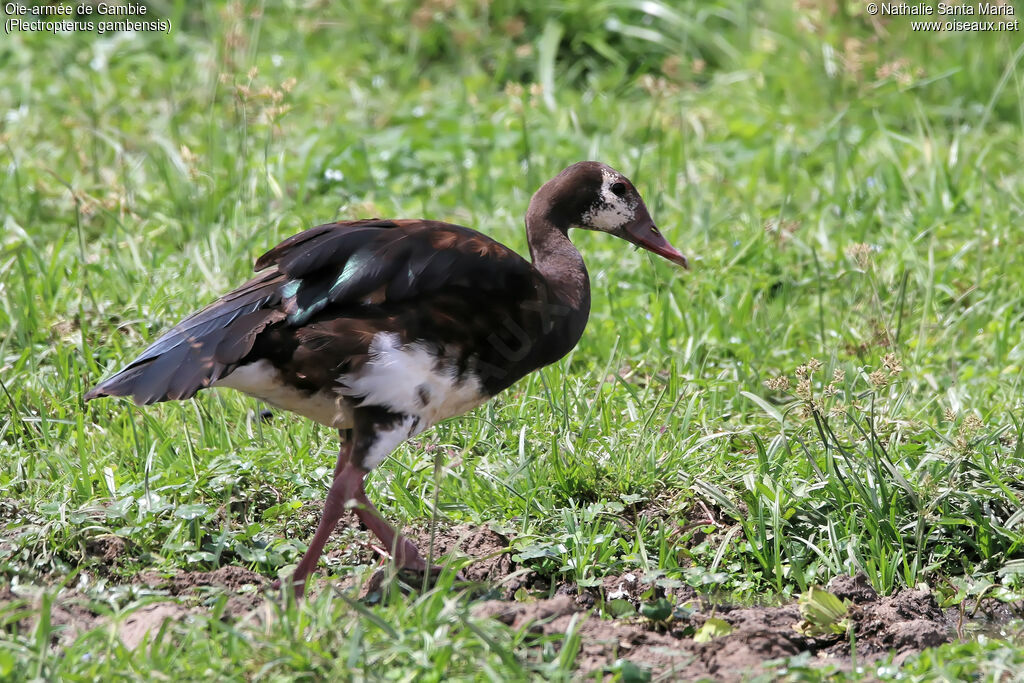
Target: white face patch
(610,212)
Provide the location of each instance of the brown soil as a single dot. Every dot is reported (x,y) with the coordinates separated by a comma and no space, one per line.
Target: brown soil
(109,548)
(72,613)
(631,587)
(148,619)
(901,624)
(481,555)
(69,613)
(229,577)
(244,587)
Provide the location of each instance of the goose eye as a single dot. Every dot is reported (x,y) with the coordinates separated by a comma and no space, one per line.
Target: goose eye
(618,189)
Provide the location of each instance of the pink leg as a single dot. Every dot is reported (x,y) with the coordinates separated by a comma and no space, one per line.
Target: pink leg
(403,550)
(345,454)
(347,491)
(334,508)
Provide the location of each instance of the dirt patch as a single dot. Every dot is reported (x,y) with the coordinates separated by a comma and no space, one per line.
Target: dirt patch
(989,617)
(906,622)
(632,587)
(69,613)
(70,618)
(148,619)
(109,548)
(481,557)
(243,586)
(481,554)
(903,624)
(230,577)
(854,588)
(533,616)
(72,614)
(604,642)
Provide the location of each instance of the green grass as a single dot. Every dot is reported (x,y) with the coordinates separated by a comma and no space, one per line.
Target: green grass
(769,142)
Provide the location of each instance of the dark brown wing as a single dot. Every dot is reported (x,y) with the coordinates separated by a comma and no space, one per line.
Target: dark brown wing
(332,283)
(200,349)
(378,262)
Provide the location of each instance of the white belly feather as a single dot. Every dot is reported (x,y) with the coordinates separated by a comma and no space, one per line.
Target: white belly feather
(405,379)
(412,381)
(265,382)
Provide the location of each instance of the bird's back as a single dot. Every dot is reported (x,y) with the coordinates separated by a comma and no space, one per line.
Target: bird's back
(355,311)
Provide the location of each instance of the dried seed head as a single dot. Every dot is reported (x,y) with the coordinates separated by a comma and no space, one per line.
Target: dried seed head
(860,253)
(657,85)
(811,407)
(187,155)
(892,364)
(514,27)
(803,388)
(781,229)
(536,92)
(513,89)
(814,365)
(838,376)
(780,383)
(971,424)
(878,378)
(899,70)
(672,66)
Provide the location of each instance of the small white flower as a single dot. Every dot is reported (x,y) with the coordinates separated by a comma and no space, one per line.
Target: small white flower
(334,174)
(15,115)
